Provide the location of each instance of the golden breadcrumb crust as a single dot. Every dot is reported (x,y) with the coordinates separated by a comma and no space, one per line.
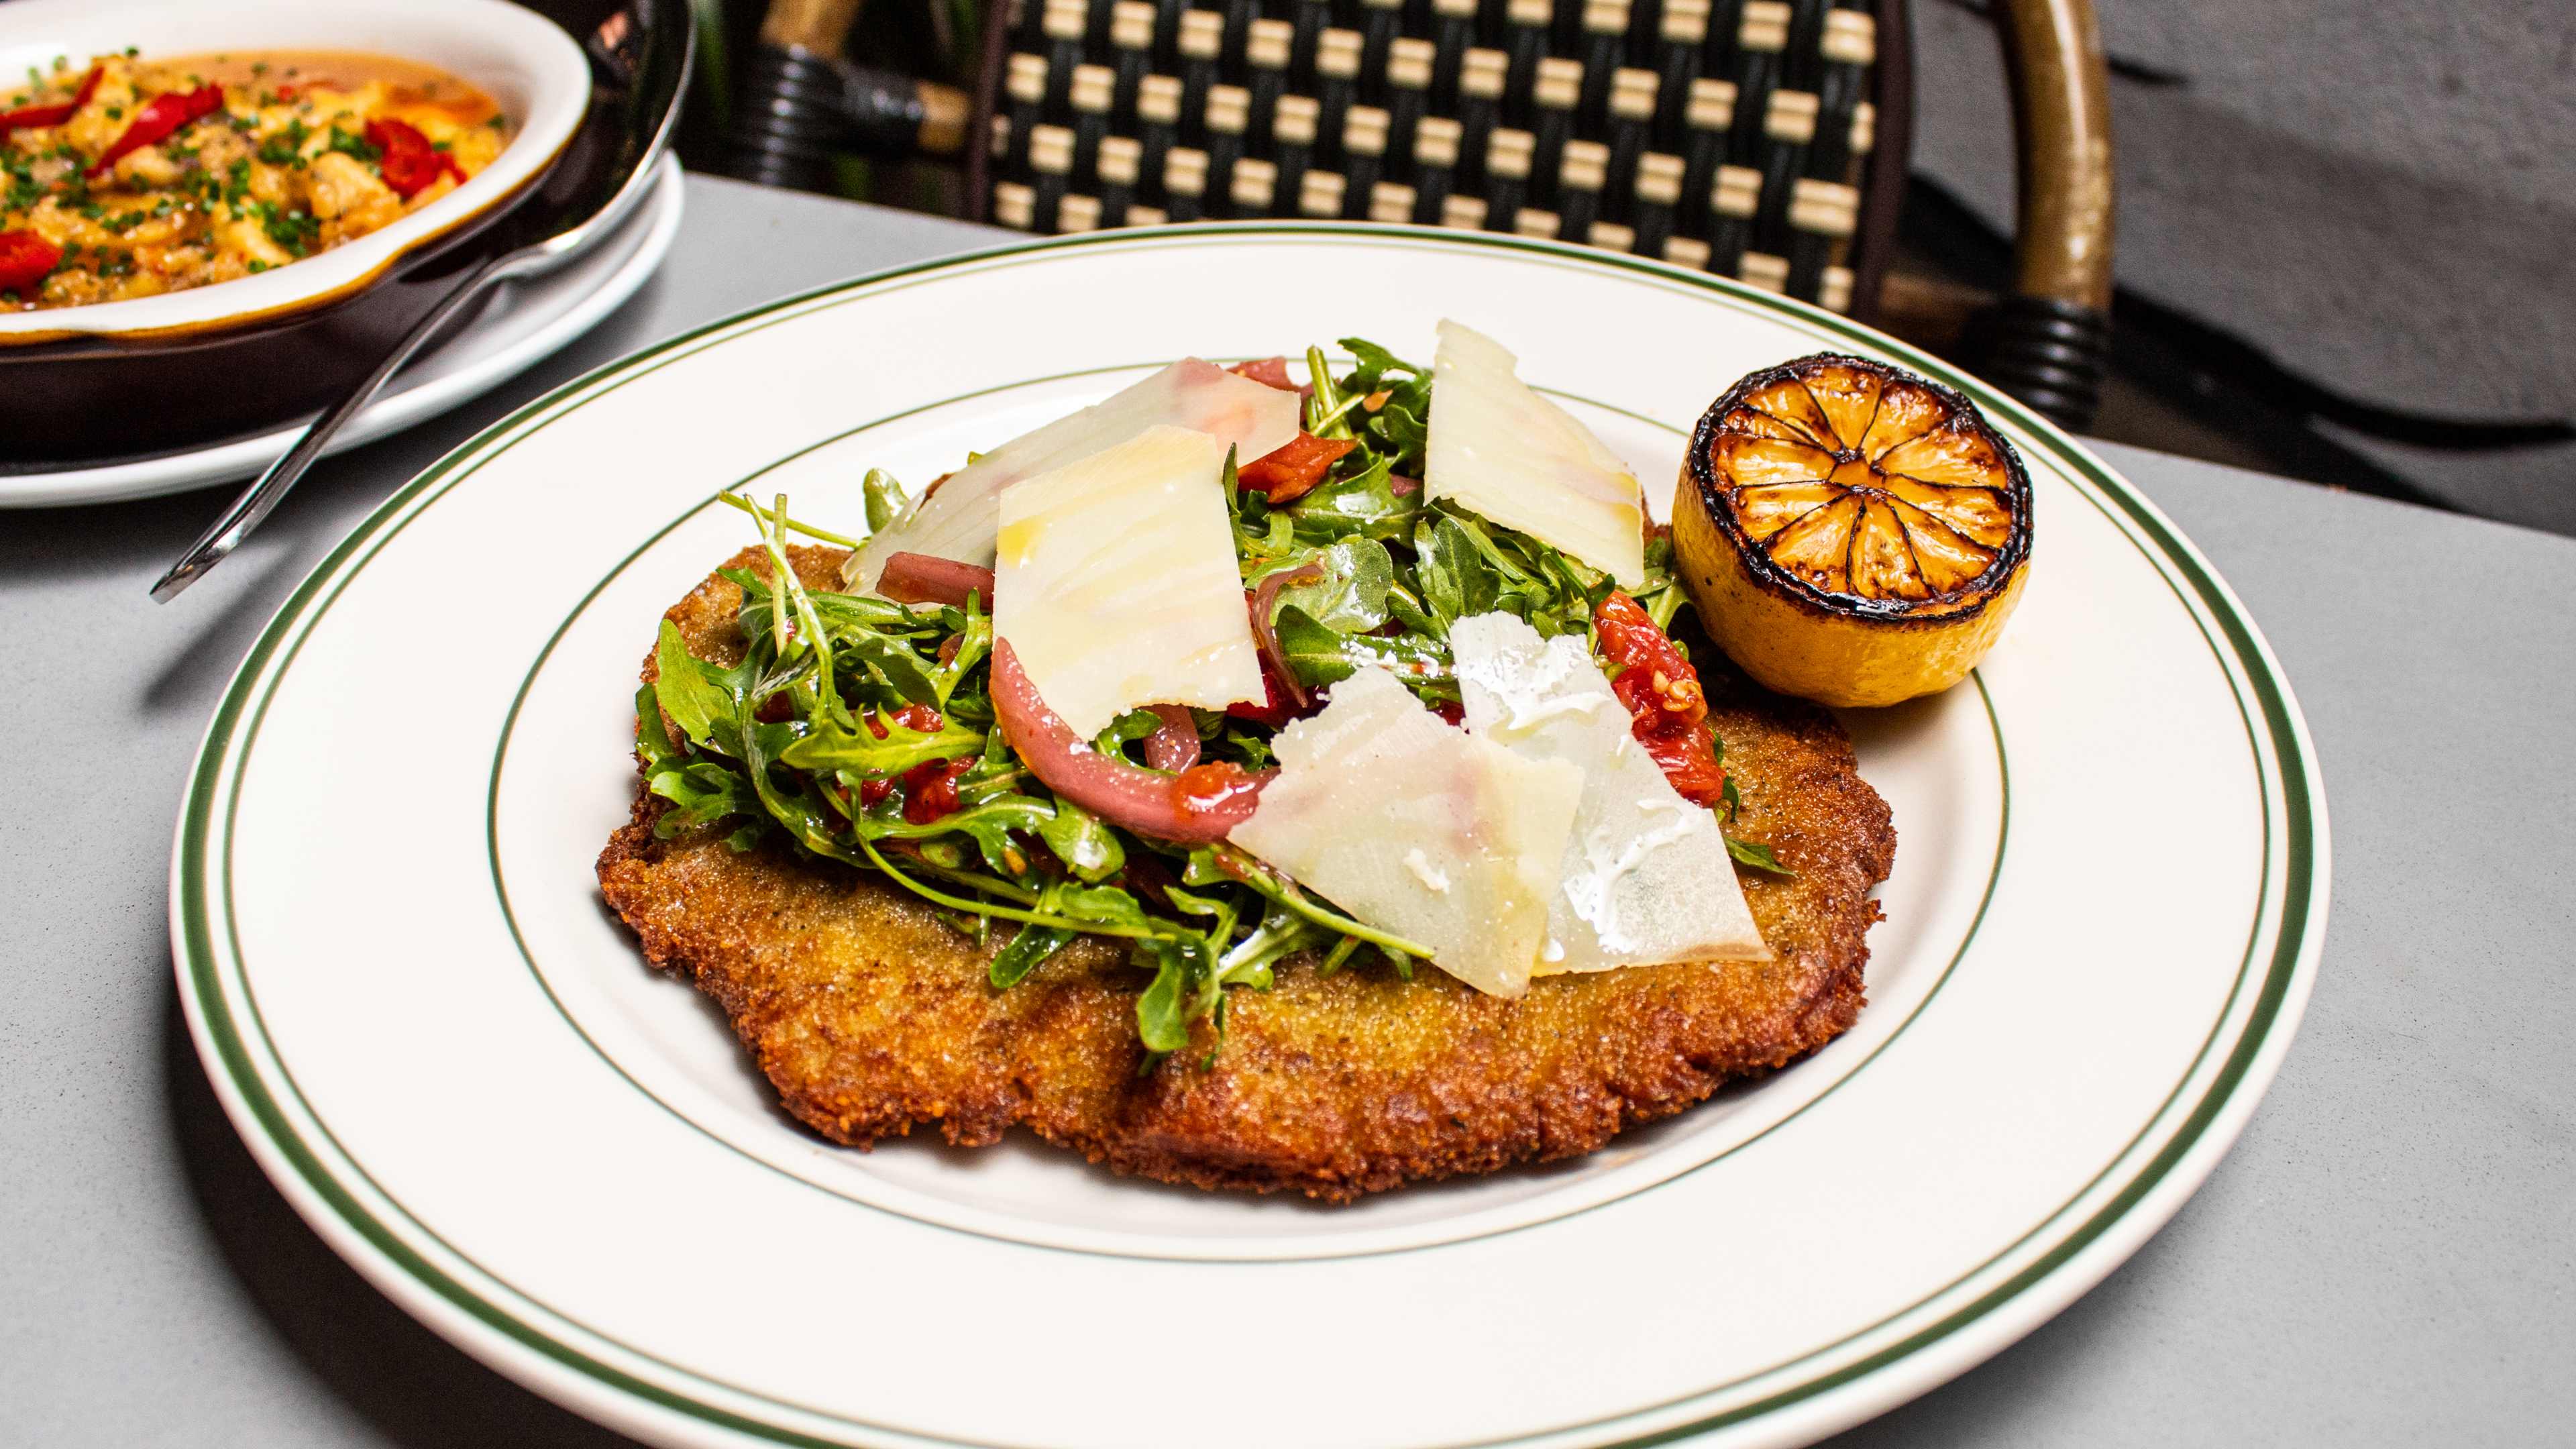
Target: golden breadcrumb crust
(870,1014)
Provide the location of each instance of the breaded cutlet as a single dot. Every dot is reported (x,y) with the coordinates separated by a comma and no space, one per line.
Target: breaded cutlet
(870,1015)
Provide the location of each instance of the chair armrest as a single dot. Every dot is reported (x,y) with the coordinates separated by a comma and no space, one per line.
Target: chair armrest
(2049,342)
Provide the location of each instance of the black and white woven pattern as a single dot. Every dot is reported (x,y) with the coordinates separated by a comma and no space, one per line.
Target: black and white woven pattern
(1727,135)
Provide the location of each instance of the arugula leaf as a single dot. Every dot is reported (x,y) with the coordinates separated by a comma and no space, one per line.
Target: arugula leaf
(1126,730)
(1351,596)
(694,702)
(1364,503)
(652,741)
(895,662)
(1757,855)
(1162,1018)
(989,824)
(704,793)
(1375,363)
(1281,934)
(1327,405)
(1398,428)
(1458,581)
(833,747)
(886,500)
(1105,905)
(842,615)
(1214,864)
(1088,848)
(1245,748)
(1402,431)
(800,809)
(1409,612)
(1320,655)
(1032,945)
(972,628)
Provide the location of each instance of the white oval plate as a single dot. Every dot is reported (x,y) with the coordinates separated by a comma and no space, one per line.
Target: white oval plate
(523,325)
(2108,897)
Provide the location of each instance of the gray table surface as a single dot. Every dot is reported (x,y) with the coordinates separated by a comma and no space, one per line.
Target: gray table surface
(2388,1257)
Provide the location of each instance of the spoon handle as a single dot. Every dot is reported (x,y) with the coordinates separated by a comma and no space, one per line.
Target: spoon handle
(226,533)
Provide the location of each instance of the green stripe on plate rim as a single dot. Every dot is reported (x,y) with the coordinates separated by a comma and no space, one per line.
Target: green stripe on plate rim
(500,885)
(250,1097)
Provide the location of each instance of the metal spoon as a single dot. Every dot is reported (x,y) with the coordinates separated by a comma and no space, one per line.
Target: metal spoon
(639,59)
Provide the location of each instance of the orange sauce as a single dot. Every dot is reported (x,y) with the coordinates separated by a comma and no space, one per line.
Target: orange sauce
(409,83)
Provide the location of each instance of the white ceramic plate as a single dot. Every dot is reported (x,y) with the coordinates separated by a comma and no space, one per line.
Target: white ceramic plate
(2108,897)
(522,325)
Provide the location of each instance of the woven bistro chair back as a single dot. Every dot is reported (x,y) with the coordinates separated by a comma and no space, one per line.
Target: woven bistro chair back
(1744,137)
(1765,140)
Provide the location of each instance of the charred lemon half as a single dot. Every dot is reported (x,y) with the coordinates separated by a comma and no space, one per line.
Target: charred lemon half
(1851,533)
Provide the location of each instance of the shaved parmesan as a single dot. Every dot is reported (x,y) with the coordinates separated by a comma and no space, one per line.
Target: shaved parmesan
(1500,449)
(1645,877)
(1419,829)
(1115,582)
(955,519)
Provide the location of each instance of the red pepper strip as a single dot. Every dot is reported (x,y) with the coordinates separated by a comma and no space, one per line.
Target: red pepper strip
(1269,372)
(403,156)
(1668,708)
(53,113)
(25,260)
(1296,466)
(920,578)
(165,115)
(1199,804)
(409,163)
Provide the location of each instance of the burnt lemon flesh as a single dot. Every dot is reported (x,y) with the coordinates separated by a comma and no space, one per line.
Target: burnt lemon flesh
(1851,533)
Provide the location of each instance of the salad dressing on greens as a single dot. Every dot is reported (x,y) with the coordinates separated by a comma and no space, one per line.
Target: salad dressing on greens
(1273,814)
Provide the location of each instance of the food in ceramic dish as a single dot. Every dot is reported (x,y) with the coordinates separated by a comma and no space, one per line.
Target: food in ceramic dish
(1353,815)
(129,178)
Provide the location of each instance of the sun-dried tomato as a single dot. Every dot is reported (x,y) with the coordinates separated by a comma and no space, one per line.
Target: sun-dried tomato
(930,789)
(920,718)
(1667,708)
(1290,471)
(1267,371)
(1276,707)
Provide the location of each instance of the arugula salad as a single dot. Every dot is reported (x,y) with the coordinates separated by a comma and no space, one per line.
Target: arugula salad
(877,728)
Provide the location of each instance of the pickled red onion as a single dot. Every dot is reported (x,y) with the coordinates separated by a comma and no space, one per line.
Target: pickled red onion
(1174,747)
(1265,604)
(1198,805)
(920,578)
